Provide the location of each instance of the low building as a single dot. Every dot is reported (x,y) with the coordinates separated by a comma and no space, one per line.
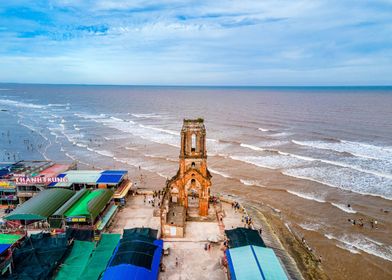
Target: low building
(91,179)
(40,207)
(254,262)
(19,181)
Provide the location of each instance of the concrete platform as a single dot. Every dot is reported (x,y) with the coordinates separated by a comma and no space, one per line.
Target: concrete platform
(136,213)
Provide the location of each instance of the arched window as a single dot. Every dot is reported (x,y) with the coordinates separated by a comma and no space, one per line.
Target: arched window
(193,165)
(193,142)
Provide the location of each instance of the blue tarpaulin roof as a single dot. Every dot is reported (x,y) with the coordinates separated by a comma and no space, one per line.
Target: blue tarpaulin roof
(90,177)
(254,262)
(109,179)
(119,172)
(4,247)
(132,259)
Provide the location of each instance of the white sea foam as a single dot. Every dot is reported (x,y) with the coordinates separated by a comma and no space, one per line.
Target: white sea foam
(104,153)
(223,174)
(270,162)
(20,104)
(81,145)
(263,129)
(251,183)
(362,243)
(255,148)
(281,134)
(344,208)
(310,226)
(161,130)
(148,116)
(348,247)
(355,148)
(308,196)
(347,179)
(131,148)
(57,105)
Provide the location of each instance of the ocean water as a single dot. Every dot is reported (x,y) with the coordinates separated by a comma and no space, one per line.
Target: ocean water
(337,141)
(340,137)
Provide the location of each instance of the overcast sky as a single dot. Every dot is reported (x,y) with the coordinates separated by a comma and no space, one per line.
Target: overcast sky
(217,42)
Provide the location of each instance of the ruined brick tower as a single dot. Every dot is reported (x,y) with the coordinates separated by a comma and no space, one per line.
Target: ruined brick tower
(193,178)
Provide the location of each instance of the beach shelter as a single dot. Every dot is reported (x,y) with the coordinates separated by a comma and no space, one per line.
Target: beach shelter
(244,236)
(41,206)
(137,256)
(253,262)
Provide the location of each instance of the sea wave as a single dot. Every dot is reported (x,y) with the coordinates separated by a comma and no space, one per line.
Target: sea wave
(252,147)
(270,162)
(263,129)
(149,116)
(344,208)
(372,171)
(251,183)
(223,174)
(357,149)
(310,226)
(20,104)
(362,243)
(351,180)
(308,196)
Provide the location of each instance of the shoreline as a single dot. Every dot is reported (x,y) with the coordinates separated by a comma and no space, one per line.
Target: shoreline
(297,259)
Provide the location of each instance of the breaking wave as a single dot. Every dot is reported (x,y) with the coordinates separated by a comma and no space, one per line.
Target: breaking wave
(308,196)
(344,208)
(362,243)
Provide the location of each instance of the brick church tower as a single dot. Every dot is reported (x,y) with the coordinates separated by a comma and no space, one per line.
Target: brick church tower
(193,178)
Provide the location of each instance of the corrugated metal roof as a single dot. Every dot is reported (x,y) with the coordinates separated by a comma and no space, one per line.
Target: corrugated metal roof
(109,179)
(80,177)
(90,177)
(254,262)
(270,265)
(41,206)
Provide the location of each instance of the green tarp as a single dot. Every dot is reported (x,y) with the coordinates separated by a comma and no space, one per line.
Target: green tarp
(90,204)
(75,263)
(41,206)
(9,238)
(101,256)
(240,236)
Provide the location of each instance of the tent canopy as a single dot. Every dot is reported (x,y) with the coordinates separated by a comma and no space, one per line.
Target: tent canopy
(137,256)
(243,236)
(253,262)
(41,206)
(90,204)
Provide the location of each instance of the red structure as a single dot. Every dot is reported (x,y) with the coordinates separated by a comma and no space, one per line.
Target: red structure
(191,185)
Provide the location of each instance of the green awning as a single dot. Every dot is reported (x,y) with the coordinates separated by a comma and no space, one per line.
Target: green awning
(41,206)
(101,256)
(76,262)
(90,204)
(61,211)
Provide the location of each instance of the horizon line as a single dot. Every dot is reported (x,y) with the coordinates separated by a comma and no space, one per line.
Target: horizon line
(191,85)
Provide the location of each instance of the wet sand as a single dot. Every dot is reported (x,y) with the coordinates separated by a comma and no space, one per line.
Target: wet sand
(282,210)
